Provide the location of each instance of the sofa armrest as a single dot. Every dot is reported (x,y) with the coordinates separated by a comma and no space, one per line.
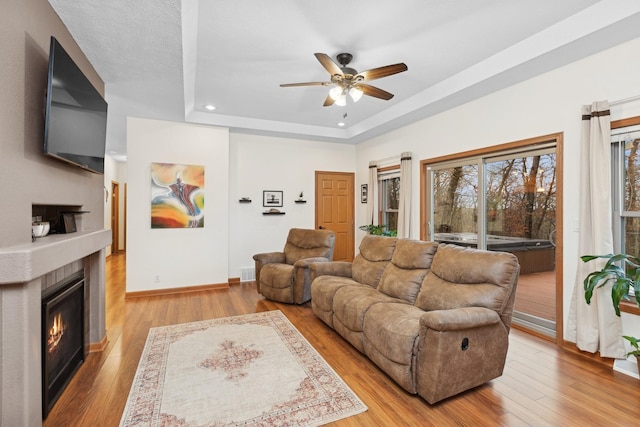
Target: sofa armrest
(459,318)
(459,349)
(270,257)
(306,262)
(332,268)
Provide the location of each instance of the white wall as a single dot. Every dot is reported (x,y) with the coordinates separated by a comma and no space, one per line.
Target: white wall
(176,257)
(543,105)
(260,163)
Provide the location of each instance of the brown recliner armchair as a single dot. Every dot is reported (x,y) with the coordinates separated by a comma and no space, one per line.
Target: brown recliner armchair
(285,276)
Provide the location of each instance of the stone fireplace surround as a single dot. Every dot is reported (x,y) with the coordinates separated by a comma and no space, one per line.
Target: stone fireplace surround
(25,270)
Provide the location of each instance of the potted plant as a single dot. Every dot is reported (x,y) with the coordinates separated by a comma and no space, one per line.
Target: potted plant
(379,230)
(623,271)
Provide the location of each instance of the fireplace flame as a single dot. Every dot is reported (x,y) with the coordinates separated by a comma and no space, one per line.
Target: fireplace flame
(55,333)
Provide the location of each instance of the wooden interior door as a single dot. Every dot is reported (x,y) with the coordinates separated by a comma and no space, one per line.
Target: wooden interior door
(335,210)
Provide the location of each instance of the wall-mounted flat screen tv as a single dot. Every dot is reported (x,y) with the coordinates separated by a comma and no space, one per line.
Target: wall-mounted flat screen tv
(76,114)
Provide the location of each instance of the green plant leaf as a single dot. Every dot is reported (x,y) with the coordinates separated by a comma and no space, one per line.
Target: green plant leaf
(595,279)
(378,230)
(587,258)
(619,290)
(622,277)
(633,340)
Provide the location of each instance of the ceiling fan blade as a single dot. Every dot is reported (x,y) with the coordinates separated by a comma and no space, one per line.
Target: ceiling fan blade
(305,84)
(377,73)
(328,64)
(329,101)
(374,91)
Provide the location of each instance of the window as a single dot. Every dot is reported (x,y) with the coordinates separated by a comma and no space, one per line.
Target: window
(625,159)
(389,185)
(625,185)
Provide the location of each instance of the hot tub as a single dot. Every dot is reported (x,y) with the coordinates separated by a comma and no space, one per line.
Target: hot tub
(534,255)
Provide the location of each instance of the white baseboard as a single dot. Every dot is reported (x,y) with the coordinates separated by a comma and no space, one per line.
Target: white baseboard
(627,367)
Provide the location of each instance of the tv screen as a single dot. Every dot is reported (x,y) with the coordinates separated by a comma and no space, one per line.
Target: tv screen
(76,114)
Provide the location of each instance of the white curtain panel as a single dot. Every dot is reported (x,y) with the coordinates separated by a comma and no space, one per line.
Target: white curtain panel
(595,327)
(404,203)
(372,197)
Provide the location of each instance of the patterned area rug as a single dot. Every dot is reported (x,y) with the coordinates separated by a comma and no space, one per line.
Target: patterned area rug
(251,370)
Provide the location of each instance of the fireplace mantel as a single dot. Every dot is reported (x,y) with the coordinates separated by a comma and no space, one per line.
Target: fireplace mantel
(23,270)
(23,263)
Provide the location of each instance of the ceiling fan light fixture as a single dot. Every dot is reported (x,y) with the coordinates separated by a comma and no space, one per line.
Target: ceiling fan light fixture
(355,94)
(336,93)
(345,80)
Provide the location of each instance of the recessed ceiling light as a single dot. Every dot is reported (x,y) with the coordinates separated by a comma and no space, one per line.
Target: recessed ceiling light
(341,124)
(210,107)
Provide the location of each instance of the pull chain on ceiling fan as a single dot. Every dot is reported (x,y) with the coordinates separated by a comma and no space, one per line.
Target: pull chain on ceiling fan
(346,80)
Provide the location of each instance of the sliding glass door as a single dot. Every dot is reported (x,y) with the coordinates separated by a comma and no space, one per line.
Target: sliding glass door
(503,202)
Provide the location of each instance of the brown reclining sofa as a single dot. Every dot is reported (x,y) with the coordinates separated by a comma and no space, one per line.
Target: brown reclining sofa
(435,317)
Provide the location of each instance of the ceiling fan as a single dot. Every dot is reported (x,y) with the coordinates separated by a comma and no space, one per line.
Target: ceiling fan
(348,81)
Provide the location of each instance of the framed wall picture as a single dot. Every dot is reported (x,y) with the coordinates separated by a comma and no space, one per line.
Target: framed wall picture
(364,188)
(177,195)
(272,199)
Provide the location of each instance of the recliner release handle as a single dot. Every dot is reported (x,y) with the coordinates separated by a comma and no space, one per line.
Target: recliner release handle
(465,344)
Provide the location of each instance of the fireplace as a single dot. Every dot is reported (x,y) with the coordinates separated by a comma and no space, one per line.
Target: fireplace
(27,273)
(62,336)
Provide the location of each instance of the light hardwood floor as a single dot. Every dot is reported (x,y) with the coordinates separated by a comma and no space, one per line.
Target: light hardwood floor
(541,386)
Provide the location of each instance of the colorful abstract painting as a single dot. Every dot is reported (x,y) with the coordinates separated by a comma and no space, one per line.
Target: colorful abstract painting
(177,196)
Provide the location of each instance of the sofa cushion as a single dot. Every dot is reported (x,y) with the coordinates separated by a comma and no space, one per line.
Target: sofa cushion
(276,282)
(391,340)
(393,330)
(403,277)
(414,254)
(277,275)
(350,304)
(466,277)
(375,254)
(324,288)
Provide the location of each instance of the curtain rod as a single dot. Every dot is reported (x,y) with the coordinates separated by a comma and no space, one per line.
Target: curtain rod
(624,101)
(404,155)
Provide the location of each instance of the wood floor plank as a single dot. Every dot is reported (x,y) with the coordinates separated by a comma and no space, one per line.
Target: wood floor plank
(524,407)
(523,384)
(543,385)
